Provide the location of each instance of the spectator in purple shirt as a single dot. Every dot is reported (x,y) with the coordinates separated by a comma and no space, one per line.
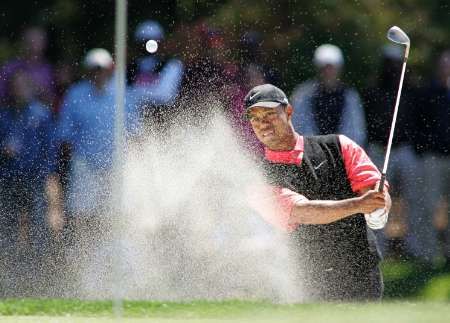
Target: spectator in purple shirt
(33,61)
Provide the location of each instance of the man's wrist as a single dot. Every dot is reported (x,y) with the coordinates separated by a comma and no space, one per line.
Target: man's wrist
(353,205)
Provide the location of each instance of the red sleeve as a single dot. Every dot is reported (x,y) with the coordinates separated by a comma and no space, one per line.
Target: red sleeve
(361,171)
(274,204)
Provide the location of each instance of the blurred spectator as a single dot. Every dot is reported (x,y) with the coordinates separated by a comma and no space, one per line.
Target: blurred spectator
(65,74)
(148,66)
(26,160)
(252,54)
(199,68)
(252,75)
(87,124)
(208,68)
(326,105)
(32,60)
(64,77)
(434,145)
(405,169)
(147,71)
(252,72)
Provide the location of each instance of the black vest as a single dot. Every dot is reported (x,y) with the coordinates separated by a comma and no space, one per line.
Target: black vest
(330,256)
(327,106)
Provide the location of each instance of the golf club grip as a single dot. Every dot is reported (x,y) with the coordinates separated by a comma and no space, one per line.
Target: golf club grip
(381,185)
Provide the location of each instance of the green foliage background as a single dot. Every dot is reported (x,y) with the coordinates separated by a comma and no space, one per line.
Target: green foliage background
(292,28)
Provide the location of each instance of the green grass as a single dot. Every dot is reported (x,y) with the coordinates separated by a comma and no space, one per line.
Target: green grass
(428,292)
(410,280)
(438,289)
(63,311)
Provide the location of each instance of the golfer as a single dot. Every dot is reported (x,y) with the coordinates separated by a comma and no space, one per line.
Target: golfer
(325,185)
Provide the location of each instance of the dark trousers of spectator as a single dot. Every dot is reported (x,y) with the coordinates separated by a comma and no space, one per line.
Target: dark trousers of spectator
(24,233)
(22,214)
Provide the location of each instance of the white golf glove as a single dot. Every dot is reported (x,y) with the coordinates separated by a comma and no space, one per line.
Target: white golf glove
(377,219)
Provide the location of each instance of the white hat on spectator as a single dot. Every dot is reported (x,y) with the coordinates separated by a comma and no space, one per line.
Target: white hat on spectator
(98,58)
(328,54)
(149,29)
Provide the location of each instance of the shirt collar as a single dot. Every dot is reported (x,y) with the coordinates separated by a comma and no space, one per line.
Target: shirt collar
(293,156)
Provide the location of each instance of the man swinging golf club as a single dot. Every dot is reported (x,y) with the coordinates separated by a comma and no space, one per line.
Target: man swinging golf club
(325,184)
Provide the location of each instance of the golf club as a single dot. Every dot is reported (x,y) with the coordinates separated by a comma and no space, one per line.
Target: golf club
(398,36)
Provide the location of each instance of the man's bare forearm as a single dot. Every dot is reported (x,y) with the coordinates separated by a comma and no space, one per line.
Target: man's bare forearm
(322,212)
(328,211)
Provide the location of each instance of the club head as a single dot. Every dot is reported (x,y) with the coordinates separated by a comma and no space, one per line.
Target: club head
(396,35)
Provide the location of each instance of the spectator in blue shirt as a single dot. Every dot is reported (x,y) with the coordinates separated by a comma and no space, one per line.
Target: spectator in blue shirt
(147,67)
(87,124)
(26,159)
(146,70)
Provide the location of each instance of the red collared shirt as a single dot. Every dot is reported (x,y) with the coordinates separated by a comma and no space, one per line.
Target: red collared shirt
(361,172)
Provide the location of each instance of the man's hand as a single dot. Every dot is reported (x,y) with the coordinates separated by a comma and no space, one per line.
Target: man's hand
(371,200)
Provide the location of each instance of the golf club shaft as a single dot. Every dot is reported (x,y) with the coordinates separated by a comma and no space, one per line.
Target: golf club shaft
(394,120)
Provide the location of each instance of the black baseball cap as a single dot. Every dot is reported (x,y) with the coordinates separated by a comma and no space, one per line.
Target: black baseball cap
(266,95)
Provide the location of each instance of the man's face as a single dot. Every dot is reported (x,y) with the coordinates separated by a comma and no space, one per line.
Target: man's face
(99,76)
(329,74)
(35,41)
(271,125)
